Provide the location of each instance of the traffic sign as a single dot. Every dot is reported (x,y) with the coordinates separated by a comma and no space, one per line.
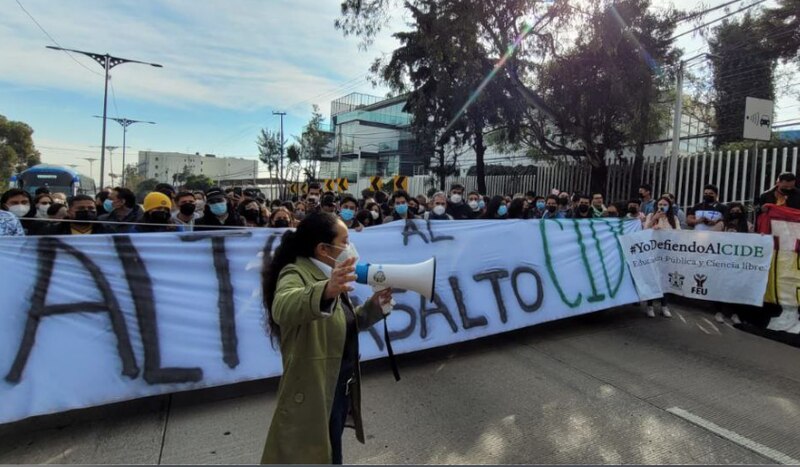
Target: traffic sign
(293,188)
(342,184)
(758,115)
(329,184)
(375,184)
(401,182)
(304,187)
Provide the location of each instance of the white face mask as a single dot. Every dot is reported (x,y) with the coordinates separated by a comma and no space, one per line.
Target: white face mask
(438,209)
(42,208)
(199,205)
(455,198)
(19,210)
(474,205)
(347,252)
(374,215)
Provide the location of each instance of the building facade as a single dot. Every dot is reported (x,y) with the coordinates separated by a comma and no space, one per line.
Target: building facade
(166,166)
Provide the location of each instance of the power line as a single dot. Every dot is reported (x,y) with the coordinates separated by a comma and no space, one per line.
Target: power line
(718,19)
(53,40)
(705,12)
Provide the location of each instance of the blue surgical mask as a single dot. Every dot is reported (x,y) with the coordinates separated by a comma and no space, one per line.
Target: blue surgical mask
(401,209)
(347,214)
(540,205)
(218,209)
(108,205)
(665,209)
(481,204)
(502,210)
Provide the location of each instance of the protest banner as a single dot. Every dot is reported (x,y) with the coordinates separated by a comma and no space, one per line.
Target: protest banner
(89,320)
(783,287)
(717,266)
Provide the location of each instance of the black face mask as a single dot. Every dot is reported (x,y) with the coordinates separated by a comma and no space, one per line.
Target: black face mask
(187,209)
(787,191)
(563,201)
(737,215)
(251,215)
(86,216)
(551,208)
(708,199)
(583,209)
(159,217)
(281,223)
(633,211)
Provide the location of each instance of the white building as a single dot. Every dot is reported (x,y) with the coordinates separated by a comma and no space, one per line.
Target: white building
(165,166)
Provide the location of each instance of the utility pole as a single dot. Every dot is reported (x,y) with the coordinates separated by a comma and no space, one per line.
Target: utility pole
(280,161)
(107,62)
(125,122)
(91,164)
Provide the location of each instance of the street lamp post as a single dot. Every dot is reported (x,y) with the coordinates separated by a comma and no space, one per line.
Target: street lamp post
(107,62)
(91,164)
(125,122)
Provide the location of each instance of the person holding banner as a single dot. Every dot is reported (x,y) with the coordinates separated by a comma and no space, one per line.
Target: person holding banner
(305,290)
(708,215)
(662,219)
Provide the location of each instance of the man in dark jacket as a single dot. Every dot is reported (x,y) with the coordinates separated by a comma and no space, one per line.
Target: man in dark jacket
(81,208)
(218,212)
(784,193)
(456,207)
(123,209)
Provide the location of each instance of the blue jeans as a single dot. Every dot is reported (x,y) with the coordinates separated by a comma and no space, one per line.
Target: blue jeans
(341,406)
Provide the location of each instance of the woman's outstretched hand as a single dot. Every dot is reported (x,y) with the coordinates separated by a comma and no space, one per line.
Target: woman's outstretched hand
(341,277)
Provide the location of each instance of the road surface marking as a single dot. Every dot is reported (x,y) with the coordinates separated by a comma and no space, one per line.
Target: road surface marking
(743,441)
(711,324)
(702,328)
(682,318)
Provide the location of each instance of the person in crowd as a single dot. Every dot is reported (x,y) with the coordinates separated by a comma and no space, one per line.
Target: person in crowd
(662,219)
(250,211)
(439,210)
(42,202)
(313,197)
(647,205)
(42,190)
(551,206)
(123,209)
(530,197)
(157,215)
(79,221)
(415,208)
(634,211)
(219,212)
(474,201)
(423,201)
(564,209)
(275,204)
(709,214)
(375,212)
(165,189)
(57,211)
(538,208)
(679,213)
(59,198)
(383,201)
(19,203)
(583,209)
(364,217)
(288,205)
(736,219)
(10,225)
(612,210)
(187,212)
(347,213)
(100,202)
(784,193)
(456,206)
(400,211)
(328,203)
(518,209)
(305,291)
(497,208)
(281,218)
(199,201)
(598,207)
(300,210)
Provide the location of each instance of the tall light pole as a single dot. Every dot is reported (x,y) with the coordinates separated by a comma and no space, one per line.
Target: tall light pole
(91,164)
(125,122)
(672,185)
(280,161)
(107,62)
(110,150)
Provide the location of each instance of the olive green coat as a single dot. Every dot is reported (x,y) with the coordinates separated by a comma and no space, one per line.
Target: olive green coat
(312,345)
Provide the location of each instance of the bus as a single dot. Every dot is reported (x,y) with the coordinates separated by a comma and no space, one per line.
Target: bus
(56,178)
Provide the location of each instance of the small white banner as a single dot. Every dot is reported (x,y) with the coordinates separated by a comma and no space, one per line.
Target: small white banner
(716,266)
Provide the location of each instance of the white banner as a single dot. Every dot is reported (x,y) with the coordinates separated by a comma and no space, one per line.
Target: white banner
(716,266)
(89,320)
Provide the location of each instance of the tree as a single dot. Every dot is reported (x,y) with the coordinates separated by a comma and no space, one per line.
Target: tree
(313,142)
(744,68)
(293,159)
(132,177)
(269,148)
(198,182)
(780,28)
(17,151)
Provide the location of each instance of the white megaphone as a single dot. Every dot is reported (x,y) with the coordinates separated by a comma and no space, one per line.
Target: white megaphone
(420,277)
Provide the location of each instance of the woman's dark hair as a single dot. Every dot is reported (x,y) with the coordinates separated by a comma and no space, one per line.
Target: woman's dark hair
(492,207)
(16,192)
(276,211)
(516,210)
(316,228)
(260,221)
(741,222)
(41,196)
(54,208)
(670,212)
(127,196)
(364,218)
(379,220)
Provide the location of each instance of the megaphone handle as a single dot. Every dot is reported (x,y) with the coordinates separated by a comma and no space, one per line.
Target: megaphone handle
(392,360)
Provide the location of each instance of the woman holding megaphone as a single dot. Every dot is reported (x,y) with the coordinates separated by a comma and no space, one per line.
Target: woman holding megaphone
(305,288)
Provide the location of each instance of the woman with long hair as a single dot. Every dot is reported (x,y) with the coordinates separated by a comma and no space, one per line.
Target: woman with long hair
(663,218)
(305,289)
(497,208)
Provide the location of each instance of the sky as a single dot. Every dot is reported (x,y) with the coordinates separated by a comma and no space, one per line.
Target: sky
(227,65)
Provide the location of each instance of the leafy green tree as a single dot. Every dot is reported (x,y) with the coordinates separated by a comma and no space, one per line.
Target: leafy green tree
(780,28)
(198,182)
(269,148)
(17,151)
(313,142)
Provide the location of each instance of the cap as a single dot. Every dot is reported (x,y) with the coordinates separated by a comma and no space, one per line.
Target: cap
(156,200)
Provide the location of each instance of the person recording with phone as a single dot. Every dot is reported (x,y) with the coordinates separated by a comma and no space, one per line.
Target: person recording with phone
(305,291)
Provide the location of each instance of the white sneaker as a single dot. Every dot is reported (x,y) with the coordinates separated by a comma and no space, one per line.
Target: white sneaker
(719,317)
(650,312)
(665,312)
(735,319)
(786,320)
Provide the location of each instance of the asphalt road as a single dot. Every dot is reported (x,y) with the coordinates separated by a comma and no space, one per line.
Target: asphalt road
(612,387)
